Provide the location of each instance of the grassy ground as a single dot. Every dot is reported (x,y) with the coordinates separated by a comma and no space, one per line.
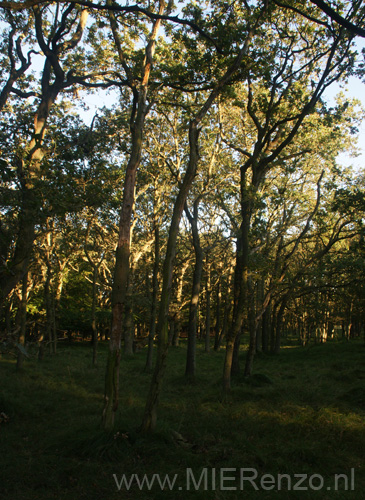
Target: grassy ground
(301,413)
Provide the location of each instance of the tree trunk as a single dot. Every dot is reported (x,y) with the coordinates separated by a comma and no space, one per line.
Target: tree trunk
(227,308)
(207,317)
(152,329)
(240,281)
(217,316)
(150,414)
(278,326)
(93,317)
(121,270)
(29,164)
(179,303)
(48,301)
(194,301)
(128,319)
(273,327)
(128,329)
(23,320)
(260,301)
(235,368)
(265,327)
(252,328)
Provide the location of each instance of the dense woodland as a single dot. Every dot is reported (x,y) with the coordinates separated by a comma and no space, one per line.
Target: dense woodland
(205,203)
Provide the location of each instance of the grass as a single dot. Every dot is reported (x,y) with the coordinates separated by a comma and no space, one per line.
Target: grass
(301,413)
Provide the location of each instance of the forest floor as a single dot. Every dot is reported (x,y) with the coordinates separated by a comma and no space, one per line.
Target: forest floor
(295,429)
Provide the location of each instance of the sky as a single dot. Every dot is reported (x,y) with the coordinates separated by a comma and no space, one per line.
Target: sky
(355,88)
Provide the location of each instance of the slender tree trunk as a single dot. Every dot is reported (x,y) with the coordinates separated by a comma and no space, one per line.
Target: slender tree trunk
(235,368)
(128,329)
(150,414)
(54,344)
(128,318)
(152,330)
(23,320)
(252,327)
(120,282)
(179,303)
(240,281)
(265,326)
(93,317)
(273,327)
(194,301)
(217,316)
(48,301)
(227,308)
(260,300)
(207,317)
(278,326)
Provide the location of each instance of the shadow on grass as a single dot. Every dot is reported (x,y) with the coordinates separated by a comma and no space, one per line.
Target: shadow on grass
(301,412)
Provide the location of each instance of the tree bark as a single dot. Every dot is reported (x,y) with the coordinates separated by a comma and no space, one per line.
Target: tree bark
(217,316)
(121,270)
(207,317)
(240,281)
(23,320)
(235,368)
(227,308)
(93,317)
(265,327)
(194,301)
(156,264)
(278,326)
(252,328)
(150,413)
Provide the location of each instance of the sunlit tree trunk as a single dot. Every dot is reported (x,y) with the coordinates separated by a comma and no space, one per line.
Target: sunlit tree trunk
(121,270)
(175,340)
(207,317)
(217,315)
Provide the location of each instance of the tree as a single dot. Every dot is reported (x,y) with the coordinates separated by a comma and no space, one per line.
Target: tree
(150,415)
(289,95)
(139,112)
(58,33)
